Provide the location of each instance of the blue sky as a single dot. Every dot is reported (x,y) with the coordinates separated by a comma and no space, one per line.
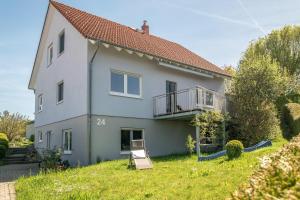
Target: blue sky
(217,30)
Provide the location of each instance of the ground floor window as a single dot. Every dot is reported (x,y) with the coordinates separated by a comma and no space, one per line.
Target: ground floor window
(128,135)
(67,141)
(48,134)
(40,136)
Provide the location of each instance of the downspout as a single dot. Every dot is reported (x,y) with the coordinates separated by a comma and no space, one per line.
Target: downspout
(89,98)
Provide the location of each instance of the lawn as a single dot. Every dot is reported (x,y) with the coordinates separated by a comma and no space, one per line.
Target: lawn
(173,177)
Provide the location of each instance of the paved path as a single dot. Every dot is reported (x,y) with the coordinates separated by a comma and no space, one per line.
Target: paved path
(10,173)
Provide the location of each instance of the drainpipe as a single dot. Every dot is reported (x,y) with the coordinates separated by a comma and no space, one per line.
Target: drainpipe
(89,101)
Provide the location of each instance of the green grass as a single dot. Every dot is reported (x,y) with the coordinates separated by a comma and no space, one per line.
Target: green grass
(173,177)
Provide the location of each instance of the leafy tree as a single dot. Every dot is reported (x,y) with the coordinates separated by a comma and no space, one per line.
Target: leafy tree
(190,144)
(13,125)
(282,45)
(256,86)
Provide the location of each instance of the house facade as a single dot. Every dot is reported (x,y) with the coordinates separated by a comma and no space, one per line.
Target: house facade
(100,85)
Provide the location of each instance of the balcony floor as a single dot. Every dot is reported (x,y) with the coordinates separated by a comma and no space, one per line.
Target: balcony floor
(183,115)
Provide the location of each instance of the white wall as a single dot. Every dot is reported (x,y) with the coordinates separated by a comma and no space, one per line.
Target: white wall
(71,67)
(153,83)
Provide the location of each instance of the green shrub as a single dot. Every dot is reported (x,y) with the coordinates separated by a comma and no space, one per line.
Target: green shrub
(234,149)
(3,140)
(190,144)
(291,113)
(278,176)
(2,151)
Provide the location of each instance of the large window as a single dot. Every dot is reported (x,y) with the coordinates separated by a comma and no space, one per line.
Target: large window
(209,98)
(60,92)
(129,135)
(61,42)
(125,84)
(50,55)
(40,103)
(67,141)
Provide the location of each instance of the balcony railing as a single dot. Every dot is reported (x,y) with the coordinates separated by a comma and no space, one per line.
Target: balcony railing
(192,99)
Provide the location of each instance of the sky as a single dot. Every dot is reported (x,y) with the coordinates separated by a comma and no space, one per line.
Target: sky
(217,30)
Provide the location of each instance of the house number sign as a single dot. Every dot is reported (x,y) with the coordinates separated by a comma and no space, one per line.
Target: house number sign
(101,121)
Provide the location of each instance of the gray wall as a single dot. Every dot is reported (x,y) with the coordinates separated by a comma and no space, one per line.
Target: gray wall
(29,130)
(70,67)
(162,137)
(79,138)
(153,83)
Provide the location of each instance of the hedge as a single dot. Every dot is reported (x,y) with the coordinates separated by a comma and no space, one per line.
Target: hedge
(278,176)
(3,140)
(291,114)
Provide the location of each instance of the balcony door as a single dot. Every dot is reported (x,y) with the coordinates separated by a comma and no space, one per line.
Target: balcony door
(171,98)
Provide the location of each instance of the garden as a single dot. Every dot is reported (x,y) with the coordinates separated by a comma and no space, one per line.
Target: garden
(264,104)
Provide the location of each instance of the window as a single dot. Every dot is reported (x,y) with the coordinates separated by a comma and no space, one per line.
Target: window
(67,141)
(40,136)
(50,54)
(60,92)
(61,42)
(129,135)
(125,84)
(48,134)
(40,103)
(209,98)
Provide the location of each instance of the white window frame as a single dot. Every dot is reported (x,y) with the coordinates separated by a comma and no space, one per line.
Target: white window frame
(48,139)
(125,93)
(50,59)
(40,103)
(58,46)
(57,92)
(40,136)
(69,150)
(131,137)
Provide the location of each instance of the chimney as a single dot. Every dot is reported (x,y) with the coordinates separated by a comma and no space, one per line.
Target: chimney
(145,27)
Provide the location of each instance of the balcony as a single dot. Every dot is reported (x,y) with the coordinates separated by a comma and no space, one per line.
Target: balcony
(187,102)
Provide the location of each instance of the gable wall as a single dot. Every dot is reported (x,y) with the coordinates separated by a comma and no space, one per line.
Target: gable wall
(71,67)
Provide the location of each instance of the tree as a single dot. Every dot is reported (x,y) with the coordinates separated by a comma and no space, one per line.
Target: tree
(13,125)
(257,85)
(282,45)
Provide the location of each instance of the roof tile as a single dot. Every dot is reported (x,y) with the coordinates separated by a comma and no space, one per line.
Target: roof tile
(97,28)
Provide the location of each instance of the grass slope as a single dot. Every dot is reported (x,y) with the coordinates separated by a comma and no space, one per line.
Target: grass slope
(173,177)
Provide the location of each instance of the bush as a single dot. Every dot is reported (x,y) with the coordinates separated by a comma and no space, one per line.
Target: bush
(51,160)
(31,138)
(2,151)
(256,86)
(190,144)
(291,113)
(278,176)
(3,140)
(234,149)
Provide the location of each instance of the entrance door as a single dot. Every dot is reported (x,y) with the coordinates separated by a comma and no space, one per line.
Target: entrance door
(171,88)
(48,134)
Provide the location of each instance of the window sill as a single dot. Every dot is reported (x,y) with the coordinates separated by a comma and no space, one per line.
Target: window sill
(59,54)
(125,95)
(60,102)
(67,152)
(40,141)
(124,152)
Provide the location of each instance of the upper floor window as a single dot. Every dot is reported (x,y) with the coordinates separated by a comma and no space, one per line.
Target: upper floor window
(50,54)
(125,84)
(40,102)
(60,92)
(61,42)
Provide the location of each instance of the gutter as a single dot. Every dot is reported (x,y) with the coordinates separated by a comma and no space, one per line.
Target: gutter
(89,102)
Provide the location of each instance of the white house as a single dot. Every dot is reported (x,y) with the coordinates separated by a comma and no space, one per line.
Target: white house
(99,85)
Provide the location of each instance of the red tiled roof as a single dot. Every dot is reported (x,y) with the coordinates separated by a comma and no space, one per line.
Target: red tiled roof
(97,28)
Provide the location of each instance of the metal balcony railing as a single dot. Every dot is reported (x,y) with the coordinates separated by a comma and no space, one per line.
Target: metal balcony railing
(192,99)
